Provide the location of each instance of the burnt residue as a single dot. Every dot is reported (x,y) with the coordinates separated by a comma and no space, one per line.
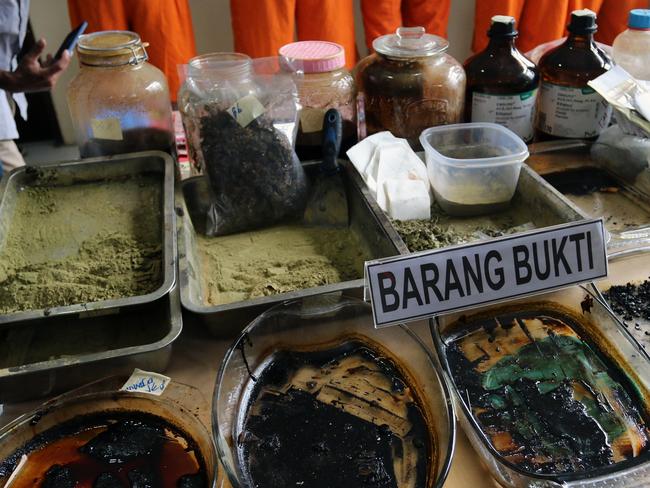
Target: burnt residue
(582,181)
(343,416)
(109,449)
(630,301)
(545,396)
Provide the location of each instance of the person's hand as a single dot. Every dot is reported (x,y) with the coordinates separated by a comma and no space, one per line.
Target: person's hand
(31,75)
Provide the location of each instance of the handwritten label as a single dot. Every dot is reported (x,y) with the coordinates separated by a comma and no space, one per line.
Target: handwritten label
(246,109)
(107,129)
(146,382)
(311,119)
(430,283)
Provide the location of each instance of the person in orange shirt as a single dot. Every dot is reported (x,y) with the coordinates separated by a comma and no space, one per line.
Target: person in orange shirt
(381,17)
(262,27)
(165,24)
(541,21)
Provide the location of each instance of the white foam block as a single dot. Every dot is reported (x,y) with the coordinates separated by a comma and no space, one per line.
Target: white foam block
(361,153)
(407,199)
(395,163)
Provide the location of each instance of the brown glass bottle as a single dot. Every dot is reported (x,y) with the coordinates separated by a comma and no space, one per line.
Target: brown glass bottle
(567,107)
(501,82)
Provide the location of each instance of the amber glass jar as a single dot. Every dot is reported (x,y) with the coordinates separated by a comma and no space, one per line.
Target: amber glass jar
(119,103)
(409,84)
(567,106)
(323,82)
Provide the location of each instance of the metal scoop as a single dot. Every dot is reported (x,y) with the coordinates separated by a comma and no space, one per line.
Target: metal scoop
(328,203)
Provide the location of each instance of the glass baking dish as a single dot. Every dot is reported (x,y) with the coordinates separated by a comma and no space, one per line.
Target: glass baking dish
(309,324)
(602,331)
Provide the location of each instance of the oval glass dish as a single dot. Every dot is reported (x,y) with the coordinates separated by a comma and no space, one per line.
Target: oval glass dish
(312,394)
(553,391)
(98,433)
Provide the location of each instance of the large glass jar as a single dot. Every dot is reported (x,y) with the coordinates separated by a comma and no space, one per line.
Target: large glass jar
(323,83)
(214,82)
(409,84)
(119,103)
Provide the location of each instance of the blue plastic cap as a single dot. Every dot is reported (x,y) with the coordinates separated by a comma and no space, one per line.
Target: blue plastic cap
(639,19)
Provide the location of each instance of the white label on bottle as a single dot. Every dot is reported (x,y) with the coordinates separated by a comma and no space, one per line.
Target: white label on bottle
(246,109)
(512,111)
(108,128)
(311,119)
(572,112)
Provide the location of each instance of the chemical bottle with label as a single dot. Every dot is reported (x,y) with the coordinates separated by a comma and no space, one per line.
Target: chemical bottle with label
(631,48)
(501,82)
(566,106)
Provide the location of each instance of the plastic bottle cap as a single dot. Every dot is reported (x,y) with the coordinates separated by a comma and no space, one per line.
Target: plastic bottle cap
(410,42)
(639,19)
(583,22)
(502,26)
(314,56)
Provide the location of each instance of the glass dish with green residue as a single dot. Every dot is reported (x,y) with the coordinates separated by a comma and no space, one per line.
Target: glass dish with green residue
(553,391)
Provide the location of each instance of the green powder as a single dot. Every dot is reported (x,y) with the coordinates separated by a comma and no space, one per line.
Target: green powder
(277,260)
(81,243)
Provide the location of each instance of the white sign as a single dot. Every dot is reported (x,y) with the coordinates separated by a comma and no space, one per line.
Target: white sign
(430,283)
(146,382)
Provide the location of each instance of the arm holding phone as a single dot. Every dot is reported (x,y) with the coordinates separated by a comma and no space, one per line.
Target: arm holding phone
(31,75)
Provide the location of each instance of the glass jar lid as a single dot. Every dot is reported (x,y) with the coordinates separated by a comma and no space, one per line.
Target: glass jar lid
(111,48)
(410,42)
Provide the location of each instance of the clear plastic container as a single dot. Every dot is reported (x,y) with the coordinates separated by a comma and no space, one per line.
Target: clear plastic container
(323,83)
(473,168)
(316,322)
(631,48)
(606,334)
(408,84)
(118,101)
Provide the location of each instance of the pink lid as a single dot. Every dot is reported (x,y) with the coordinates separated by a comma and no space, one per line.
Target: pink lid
(314,56)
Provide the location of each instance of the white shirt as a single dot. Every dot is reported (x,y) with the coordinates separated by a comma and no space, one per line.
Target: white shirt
(13,26)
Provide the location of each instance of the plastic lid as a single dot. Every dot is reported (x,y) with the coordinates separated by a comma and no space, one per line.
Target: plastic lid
(314,56)
(583,22)
(502,26)
(639,19)
(410,42)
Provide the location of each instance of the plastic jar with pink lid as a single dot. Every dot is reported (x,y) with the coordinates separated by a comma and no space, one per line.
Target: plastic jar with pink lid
(323,82)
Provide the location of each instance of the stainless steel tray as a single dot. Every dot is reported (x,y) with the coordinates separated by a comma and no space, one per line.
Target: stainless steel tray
(92,170)
(366,220)
(628,266)
(536,201)
(36,361)
(625,209)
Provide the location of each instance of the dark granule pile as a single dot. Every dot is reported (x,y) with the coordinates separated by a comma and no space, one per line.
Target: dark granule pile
(630,301)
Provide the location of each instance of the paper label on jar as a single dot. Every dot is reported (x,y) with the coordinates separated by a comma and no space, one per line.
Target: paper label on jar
(512,111)
(311,119)
(572,112)
(146,382)
(246,109)
(108,128)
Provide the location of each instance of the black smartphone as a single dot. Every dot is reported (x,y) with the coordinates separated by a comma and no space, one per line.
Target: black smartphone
(71,39)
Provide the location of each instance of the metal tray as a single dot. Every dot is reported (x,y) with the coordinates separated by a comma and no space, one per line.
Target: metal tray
(626,211)
(36,361)
(535,201)
(628,266)
(93,170)
(366,220)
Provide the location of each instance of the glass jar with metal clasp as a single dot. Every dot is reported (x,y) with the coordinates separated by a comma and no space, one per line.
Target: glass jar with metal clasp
(118,101)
